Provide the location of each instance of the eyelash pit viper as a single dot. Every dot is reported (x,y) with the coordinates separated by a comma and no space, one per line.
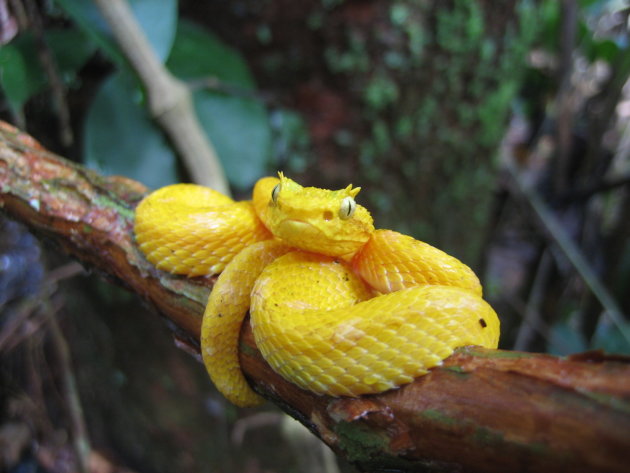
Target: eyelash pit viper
(336,307)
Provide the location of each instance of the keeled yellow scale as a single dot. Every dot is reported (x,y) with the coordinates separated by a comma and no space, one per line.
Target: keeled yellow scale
(227,306)
(194,230)
(391,261)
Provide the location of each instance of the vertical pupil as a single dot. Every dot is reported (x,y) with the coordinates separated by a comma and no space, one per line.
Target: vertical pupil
(347,208)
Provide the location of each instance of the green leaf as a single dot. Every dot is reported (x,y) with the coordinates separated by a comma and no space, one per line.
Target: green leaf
(21,74)
(565,340)
(236,124)
(121,139)
(605,49)
(549,15)
(291,140)
(609,338)
(198,53)
(158,20)
(70,49)
(239,132)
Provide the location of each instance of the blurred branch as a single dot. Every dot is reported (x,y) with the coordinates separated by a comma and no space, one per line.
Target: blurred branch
(571,251)
(482,410)
(8,23)
(601,113)
(588,191)
(57,87)
(29,318)
(80,439)
(532,320)
(170,100)
(565,101)
(215,84)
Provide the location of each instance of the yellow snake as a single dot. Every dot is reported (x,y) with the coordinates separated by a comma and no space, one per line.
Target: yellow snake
(337,307)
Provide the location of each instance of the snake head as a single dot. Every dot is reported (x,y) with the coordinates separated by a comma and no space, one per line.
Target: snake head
(308,218)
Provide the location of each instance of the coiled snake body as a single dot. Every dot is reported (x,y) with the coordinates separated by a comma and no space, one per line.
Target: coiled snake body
(337,307)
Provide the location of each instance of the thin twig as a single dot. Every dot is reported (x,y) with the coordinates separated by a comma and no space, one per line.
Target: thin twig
(26,322)
(80,438)
(532,320)
(588,191)
(170,101)
(215,84)
(29,318)
(565,100)
(520,307)
(49,65)
(17,9)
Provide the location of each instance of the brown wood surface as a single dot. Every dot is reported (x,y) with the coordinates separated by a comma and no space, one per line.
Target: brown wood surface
(482,411)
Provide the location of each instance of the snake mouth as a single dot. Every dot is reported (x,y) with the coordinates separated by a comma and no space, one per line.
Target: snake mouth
(299,232)
(308,237)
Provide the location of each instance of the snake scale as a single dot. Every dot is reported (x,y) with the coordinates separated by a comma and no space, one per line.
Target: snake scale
(337,307)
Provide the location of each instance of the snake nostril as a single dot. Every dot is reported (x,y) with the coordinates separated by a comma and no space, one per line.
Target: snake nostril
(328,215)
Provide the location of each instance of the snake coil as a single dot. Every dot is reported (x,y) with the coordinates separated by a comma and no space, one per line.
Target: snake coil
(337,307)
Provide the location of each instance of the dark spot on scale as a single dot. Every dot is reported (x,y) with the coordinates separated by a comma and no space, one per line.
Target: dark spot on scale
(219,315)
(483,323)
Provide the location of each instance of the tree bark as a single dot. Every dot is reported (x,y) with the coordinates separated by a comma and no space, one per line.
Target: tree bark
(481,411)
(432,84)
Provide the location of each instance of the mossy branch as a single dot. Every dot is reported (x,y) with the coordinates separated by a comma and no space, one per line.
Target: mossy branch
(482,411)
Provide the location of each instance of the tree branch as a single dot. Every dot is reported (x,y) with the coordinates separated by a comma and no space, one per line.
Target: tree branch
(482,411)
(170,100)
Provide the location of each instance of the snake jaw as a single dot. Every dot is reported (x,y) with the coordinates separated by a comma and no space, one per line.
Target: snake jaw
(314,238)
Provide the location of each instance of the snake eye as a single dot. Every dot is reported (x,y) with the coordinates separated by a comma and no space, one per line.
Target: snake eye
(347,208)
(274,194)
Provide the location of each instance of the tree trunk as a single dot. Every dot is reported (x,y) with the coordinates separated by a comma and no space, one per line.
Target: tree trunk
(481,411)
(433,83)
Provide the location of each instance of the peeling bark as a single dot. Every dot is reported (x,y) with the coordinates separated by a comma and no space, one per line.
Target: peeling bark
(482,411)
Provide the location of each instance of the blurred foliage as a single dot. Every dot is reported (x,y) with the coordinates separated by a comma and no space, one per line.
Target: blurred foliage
(236,122)
(119,137)
(22,73)
(567,140)
(434,85)
(157,19)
